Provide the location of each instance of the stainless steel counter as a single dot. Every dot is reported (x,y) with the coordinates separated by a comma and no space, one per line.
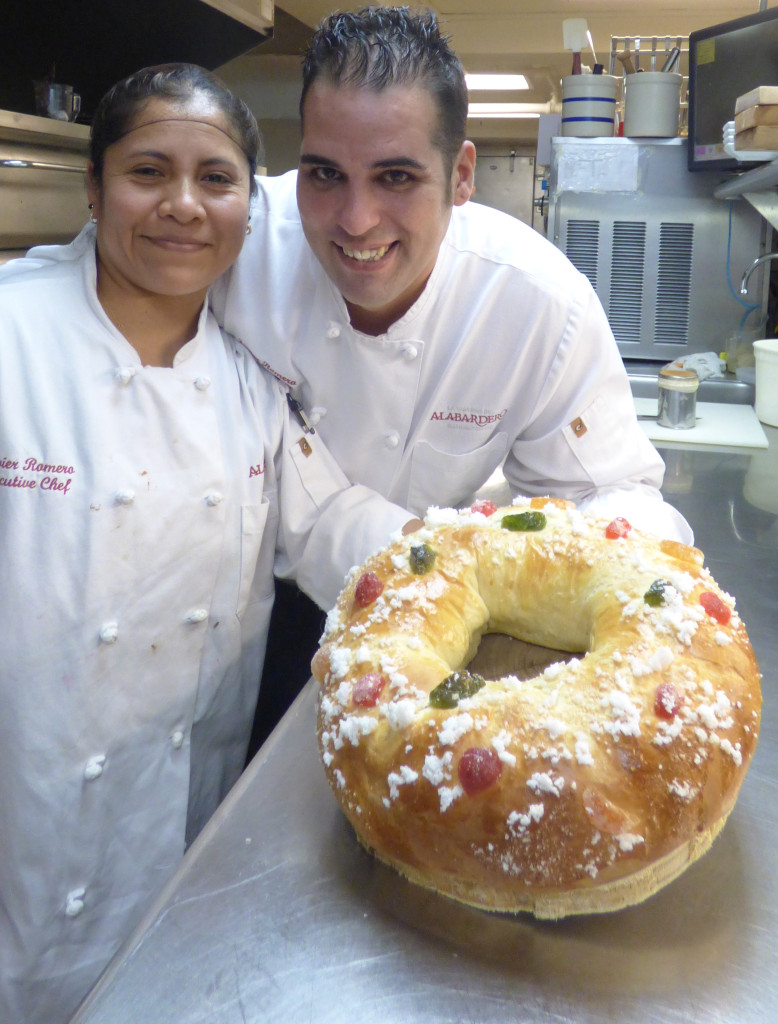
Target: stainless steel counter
(277,915)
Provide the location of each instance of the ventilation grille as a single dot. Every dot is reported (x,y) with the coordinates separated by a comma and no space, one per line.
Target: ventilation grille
(628,261)
(583,247)
(674,280)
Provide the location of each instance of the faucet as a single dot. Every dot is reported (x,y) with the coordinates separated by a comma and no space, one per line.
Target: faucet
(757,263)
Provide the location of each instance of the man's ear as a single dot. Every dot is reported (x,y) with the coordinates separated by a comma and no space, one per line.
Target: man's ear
(463,173)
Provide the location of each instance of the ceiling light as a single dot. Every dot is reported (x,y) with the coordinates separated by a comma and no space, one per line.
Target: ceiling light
(477,83)
(501,110)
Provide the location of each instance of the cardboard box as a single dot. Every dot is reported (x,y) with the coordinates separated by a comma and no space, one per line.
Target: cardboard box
(763,138)
(762,94)
(752,117)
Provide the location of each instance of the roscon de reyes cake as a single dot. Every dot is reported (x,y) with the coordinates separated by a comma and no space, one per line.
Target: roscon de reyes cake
(584,788)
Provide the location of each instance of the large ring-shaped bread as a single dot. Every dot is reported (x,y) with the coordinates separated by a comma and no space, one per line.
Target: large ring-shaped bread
(584,789)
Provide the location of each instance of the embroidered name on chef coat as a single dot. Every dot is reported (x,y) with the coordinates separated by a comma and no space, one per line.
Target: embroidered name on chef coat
(468,417)
(34,474)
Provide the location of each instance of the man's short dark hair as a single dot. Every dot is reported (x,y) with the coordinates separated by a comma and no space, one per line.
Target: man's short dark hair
(377,47)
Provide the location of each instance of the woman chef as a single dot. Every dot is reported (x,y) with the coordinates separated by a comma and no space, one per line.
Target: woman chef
(149,477)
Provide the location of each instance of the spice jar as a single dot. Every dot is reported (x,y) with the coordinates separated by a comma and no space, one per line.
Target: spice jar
(677,398)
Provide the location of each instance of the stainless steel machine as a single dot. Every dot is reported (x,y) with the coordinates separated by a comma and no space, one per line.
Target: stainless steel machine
(664,255)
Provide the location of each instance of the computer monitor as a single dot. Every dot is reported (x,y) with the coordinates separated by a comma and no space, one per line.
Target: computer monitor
(726,61)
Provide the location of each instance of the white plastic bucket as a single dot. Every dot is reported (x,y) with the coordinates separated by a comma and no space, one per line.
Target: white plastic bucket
(652,104)
(588,105)
(766,357)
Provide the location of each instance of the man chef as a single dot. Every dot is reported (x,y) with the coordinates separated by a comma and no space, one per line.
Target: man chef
(429,339)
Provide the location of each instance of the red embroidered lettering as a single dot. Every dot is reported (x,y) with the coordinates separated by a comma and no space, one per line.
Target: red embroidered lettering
(257,470)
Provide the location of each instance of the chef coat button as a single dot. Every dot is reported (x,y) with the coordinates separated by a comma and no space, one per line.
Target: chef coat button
(124,374)
(197,615)
(410,352)
(333,331)
(125,497)
(316,414)
(392,440)
(74,902)
(202,383)
(93,769)
(214,498)
(109,631)
(177,739)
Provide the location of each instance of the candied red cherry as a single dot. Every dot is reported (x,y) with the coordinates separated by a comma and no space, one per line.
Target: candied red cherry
(479,768)
(368,588)
(367,689)
(618,527)
(667,701)
(715,607)
(486,508)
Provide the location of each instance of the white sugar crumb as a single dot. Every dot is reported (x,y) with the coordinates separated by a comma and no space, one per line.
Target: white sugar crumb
(362,654)
(721,638)
(658,662)
(519,821)
(554,670)
(555,727)
(436,517)
(734,751)
(339,778)
(500,744)
(454,728)
(542,782)
(682,581)
(352,728)
(414,643)
(448,794)
(682,790)
(583,752)
(404,777)
(399,561)
(400,713)
(341,660)
(625,716)
(628,841)
(437,769)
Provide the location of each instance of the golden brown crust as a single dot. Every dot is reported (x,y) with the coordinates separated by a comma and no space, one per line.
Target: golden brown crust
(604,776)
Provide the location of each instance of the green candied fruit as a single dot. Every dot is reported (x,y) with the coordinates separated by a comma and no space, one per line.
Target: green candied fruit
(422,559)
(454,688)
(524,521)
(655,595)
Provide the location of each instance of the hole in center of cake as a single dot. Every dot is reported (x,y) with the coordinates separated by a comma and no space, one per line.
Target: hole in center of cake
(500,655)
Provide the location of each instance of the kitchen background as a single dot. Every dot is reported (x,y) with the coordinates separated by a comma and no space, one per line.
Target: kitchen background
(653,270)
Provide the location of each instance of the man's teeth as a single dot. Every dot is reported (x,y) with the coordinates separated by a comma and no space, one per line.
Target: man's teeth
(366,254)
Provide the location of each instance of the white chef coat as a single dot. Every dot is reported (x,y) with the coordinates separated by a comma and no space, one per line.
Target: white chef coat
(139,521)
(506,358)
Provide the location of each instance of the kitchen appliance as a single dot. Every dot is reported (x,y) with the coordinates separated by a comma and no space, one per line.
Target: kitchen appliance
(660,251)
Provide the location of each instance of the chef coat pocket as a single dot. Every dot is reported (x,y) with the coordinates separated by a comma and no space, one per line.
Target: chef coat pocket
(597,441)
(253,519)
(446,478)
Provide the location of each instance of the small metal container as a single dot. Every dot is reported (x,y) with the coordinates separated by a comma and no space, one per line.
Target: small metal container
(677,398)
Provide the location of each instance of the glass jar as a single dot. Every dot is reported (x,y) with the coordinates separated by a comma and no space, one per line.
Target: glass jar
(677,398)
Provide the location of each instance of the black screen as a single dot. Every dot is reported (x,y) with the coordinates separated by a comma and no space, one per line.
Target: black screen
(726,61)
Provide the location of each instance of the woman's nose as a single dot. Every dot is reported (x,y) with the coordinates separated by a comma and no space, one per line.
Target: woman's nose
(181,200)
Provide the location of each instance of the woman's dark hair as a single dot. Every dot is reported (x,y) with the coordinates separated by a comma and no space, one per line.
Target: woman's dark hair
(377,47)
(178,82)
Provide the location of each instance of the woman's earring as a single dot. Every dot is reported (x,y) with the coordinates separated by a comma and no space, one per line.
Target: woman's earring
(248,228)
(92,218)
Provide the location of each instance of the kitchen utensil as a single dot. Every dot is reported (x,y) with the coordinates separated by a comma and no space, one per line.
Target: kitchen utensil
(588,105)
(652,104)
(625,59)
(55,100)
(574,32)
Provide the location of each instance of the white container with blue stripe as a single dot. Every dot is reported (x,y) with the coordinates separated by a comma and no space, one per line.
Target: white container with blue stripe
(588,105)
